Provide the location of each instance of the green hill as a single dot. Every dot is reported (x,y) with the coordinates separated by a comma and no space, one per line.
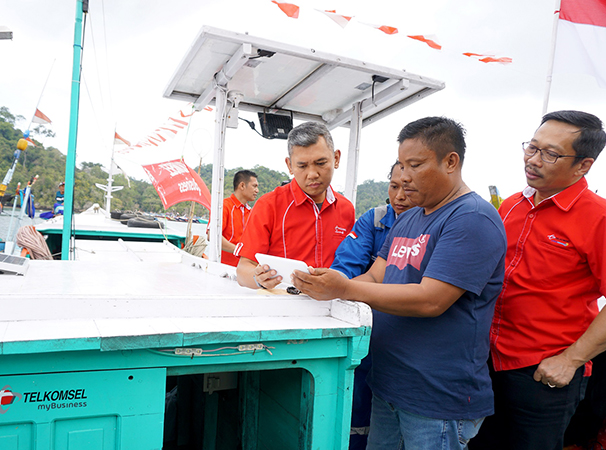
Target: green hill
(49,164)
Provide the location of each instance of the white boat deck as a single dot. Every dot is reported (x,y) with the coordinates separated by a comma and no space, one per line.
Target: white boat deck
(79,305)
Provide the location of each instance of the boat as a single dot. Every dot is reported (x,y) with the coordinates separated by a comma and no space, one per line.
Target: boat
(95,224)
(87,347)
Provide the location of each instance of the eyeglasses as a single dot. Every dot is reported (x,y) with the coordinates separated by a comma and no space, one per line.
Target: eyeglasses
(546,155)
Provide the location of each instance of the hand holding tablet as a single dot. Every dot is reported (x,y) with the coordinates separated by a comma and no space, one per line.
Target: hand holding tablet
(284,267)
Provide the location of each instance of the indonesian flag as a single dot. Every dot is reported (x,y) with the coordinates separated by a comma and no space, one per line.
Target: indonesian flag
(429,39)
(40,117)
(120,140)
(30,142)
(289,9)
(489,58)
(176,182)
(581,40)
(384,28)
(339,19)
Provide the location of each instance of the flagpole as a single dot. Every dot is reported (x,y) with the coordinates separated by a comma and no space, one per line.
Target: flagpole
(70,160)
(554,35)
(110,178)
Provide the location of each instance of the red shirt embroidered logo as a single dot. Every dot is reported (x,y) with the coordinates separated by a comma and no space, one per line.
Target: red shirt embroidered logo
(406,251)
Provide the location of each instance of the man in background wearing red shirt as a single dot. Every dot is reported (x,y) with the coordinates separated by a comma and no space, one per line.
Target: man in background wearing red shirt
(236,212)
(304,219)
(546,327)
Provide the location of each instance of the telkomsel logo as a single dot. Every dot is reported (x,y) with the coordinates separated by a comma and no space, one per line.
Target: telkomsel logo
(57,399)
(7,398)
(406,251)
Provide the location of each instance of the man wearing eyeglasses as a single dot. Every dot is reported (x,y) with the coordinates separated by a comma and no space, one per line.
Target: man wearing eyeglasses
(546,326)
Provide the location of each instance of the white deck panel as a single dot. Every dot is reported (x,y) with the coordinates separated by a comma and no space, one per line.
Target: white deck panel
(133,251)
(94,299)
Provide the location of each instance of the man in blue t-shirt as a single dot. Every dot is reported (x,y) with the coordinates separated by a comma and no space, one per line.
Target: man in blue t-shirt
(433,289)
(354,256)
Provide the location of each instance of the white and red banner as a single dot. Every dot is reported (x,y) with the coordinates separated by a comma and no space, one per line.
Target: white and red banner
(176,182)
(581,39)
(40,117)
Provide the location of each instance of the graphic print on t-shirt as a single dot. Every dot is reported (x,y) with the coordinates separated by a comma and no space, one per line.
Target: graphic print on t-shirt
(406,251)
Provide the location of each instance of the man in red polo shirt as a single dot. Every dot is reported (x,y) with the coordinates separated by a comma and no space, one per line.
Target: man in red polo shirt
(305,219)
(546,326)
(236,212)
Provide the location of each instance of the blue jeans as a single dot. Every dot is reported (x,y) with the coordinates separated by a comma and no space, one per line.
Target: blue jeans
(396,429)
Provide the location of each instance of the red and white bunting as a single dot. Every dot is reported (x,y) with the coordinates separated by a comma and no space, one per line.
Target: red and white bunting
(339,19)
(289,9)
(30,142)
(164,132)
(429,39)
(40,117)
(581,39)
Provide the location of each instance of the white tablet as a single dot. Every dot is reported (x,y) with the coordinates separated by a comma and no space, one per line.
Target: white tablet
(283,266)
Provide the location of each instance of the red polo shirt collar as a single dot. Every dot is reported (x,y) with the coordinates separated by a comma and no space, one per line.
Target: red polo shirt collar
(564,199)
(300,196)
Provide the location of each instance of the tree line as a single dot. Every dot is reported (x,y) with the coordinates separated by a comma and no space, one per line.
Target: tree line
(49,164)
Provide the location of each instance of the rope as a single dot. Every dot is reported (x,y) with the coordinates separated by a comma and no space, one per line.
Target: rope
(196,245)
(30,239)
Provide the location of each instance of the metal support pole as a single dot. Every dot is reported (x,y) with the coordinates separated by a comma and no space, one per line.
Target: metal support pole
(353,154)
(216,212)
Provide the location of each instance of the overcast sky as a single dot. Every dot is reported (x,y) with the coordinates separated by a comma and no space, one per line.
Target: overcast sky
(133,47)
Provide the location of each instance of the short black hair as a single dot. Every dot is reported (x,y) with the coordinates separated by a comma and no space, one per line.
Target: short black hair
(243,175)
(307,134)
(591,139)
(396,164)
(439,134)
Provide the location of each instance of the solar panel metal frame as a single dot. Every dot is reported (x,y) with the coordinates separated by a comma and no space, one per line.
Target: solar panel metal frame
(310,84)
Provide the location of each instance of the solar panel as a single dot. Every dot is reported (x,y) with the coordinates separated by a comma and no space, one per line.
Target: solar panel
(13,265)
(302,82)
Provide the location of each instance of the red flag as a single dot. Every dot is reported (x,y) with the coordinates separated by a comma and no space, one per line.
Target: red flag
(288,8)
(581,39)
(120,140)
(40,117)
(429,40)
(176,182)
